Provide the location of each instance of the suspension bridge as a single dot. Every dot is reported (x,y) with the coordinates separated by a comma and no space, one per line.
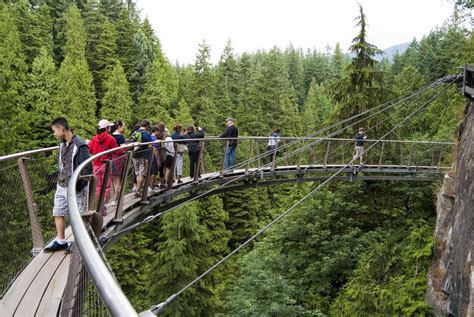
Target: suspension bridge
(80,282)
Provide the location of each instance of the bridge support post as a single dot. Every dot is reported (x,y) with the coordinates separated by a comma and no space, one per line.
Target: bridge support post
(327,154)
(301,155)
(223,158)
(147,177)
(103,190)
(274,158)
(197,171)
(173,167)
(123,185)
(440,155)
(36,233)
(249,156)
(409,155)
(381,154)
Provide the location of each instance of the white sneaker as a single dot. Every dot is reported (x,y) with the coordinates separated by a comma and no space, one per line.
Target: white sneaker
(152,191)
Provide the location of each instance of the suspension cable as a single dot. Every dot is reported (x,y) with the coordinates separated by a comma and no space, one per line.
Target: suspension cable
(160,307)
(255,171)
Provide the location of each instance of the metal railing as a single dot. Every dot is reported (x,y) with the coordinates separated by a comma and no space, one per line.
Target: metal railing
(29,181)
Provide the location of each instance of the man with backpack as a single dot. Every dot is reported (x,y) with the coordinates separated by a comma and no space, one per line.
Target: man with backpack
(141,155)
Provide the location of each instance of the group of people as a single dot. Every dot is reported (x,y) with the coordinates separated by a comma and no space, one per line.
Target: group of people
(73,151)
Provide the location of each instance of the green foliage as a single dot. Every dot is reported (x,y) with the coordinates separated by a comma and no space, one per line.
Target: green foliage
(75,97)
(12,81)
(316,110)
(41,108)
(159,93)
(127,258)
(117,103)
(181,257)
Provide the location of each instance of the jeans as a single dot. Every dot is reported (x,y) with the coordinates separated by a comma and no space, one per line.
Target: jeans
(229,159)
(193,158)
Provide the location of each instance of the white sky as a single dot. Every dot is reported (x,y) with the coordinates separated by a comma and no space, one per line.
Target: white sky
(261,24)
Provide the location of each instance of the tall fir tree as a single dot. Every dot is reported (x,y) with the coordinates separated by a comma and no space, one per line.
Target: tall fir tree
(202,107)
(317,108)
(141,57)
(75,97)
(296,74)
(181,258)
(362,87)
(249,109)
(42,88)
(116,103)
(182,114)
(159,93)
(12,82)
(227,82)
(338,63)
(126,26)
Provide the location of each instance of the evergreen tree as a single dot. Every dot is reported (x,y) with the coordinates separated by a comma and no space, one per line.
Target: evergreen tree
(181,257)
(75,97)
(100,47)
(42,88)
(317,108)
(362,87)
(13,70)
(126,27)
(202,107)
(160,91)
(227,83)
(182,114)
(117,103)
(141,57)
(296,74)
(249,110)
(338,63)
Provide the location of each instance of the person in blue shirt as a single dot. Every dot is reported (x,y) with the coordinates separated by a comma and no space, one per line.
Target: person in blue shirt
(359,145)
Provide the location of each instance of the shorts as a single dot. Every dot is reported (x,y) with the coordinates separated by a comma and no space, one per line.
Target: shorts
(61,207)
(119,165)
(168,161)
(359,150)
(140,164)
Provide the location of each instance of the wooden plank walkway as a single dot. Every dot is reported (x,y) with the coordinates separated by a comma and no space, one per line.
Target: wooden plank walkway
(37,291)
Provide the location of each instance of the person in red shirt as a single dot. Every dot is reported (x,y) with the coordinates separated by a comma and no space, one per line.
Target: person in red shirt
(101,142)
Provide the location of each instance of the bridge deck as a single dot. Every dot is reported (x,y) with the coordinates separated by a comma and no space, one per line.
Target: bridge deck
(38,290)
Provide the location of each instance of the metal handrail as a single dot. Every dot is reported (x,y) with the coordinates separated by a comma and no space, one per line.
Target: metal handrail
(110,291)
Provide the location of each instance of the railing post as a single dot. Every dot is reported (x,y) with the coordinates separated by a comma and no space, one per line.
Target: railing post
(223,159)
(410,154)
(197,170)
(173,166)
(274,158)
(123,185)
(248,157)
(401,153)
(327,153)
(298,166)
(101,202)
(381,154)
(258,155)
(36,233)
(147,176)
(440,155)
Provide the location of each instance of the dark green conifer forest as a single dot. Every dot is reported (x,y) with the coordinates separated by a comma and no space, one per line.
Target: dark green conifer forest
(354,249)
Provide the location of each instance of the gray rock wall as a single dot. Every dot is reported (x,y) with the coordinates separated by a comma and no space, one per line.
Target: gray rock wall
(451,278)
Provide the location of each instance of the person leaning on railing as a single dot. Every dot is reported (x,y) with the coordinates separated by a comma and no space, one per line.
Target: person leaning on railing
(72,152)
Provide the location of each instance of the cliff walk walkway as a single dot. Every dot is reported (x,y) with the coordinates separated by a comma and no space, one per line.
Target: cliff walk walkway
(45,284)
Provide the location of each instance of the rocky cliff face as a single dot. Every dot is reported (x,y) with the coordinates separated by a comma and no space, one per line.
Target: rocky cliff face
(451,278)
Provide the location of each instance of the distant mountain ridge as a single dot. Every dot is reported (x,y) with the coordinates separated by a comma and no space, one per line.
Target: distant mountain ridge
(391,51)
(388,52)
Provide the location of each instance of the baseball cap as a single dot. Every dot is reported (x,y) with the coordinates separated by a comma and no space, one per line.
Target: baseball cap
(104,123)
(229,119)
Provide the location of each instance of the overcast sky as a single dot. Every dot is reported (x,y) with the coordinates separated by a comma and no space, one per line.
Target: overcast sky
(261,24)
